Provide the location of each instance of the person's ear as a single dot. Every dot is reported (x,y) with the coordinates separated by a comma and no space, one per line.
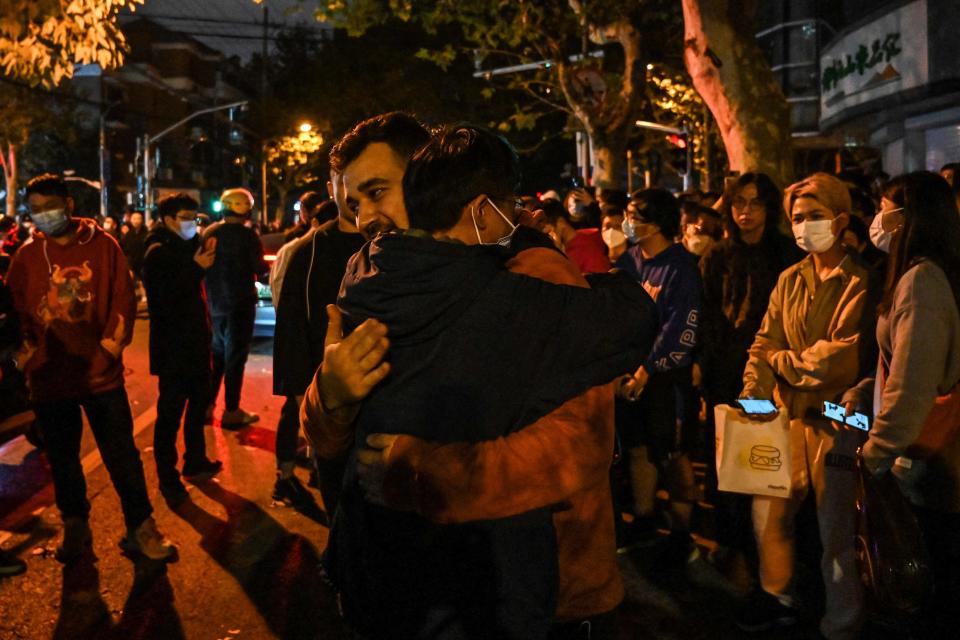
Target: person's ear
(475,208)
(842,222)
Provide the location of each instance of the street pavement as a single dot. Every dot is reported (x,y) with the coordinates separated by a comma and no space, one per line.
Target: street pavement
(248,568)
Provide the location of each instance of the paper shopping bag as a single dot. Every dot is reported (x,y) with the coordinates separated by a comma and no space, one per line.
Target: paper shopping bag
(753,457)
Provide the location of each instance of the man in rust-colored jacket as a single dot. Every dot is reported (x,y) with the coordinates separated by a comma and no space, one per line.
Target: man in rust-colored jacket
(560,460)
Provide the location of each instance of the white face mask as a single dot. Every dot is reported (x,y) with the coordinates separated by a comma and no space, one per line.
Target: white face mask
(814,236)
(613,237)
(698,244)
(505,240)
(878,235)
(188,229)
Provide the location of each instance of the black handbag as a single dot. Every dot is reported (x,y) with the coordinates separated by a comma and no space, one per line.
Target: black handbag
(892,558)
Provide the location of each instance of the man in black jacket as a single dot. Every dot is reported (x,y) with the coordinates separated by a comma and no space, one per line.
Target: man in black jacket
(311,281)
(173,270)
(232,297)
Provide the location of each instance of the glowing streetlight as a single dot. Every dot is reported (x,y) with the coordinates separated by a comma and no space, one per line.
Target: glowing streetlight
(305,127)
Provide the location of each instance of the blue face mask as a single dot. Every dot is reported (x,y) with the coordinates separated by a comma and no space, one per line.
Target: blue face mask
(53,223)
(188,229)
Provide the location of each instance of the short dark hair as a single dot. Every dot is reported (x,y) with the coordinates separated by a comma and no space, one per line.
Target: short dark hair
(615,197)
(309,201)
(325,212)
(955,184)
(48,184)
(553,211)
(659,207)
(401,131)
(173,203)
(457,164)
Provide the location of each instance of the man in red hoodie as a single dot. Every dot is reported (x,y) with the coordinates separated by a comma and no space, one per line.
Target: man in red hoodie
(74,297)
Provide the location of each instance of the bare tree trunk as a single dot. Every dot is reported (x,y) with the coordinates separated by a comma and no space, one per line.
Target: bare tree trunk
(610,160)
(733,78)
(608,123)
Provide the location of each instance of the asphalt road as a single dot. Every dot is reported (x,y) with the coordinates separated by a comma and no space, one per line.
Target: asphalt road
(248,568)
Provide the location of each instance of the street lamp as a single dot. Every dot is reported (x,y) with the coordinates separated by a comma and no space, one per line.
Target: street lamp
(305,141)
(149,140)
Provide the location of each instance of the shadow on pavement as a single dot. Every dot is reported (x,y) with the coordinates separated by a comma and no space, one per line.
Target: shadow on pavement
(277,569)
(83,613)
(148,612)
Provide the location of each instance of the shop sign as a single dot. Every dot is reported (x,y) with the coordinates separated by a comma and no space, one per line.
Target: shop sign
(880,58)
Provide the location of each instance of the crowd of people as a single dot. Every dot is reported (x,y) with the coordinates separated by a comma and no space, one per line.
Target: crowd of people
(467,363)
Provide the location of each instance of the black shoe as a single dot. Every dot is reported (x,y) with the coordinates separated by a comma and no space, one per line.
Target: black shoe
(201,470)
(237,419)
(11,565)
(174,494)
(642,532)
(762,611)
(290,492)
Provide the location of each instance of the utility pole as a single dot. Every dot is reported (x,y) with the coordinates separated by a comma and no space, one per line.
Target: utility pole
(144,143)
(263,110)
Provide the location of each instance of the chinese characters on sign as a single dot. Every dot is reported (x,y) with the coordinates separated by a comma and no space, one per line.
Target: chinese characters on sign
(880,51)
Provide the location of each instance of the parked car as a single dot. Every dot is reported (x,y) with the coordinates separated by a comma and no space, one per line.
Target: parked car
(265,320)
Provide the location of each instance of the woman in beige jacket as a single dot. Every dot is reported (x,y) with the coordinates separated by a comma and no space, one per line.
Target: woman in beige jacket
(919,336)
(806,352)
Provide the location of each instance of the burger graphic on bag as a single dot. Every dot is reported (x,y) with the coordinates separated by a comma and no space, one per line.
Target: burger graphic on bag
(763,457)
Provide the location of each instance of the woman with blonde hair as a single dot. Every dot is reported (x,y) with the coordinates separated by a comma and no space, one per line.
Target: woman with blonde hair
(806,352)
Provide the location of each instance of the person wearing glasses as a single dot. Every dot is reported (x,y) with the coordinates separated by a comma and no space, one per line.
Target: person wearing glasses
(739,273)
(173,269)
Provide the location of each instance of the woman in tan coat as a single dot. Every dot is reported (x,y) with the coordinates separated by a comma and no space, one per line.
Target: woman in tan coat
(806,352)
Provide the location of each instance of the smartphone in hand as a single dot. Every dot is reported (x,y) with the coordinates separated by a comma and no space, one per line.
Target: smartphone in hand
(757,406)
(837,413)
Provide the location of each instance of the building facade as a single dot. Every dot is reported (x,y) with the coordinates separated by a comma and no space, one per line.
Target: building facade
(891,80)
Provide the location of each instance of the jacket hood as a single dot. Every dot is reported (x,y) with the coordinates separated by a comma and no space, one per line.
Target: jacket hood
(416,286)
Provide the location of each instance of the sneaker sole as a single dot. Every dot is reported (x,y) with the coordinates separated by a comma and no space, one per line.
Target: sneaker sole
(133,549)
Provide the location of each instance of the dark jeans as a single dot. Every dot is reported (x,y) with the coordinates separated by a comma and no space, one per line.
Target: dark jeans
(288,431)
(112,426)
(330,481)
(177,392)
(232,335)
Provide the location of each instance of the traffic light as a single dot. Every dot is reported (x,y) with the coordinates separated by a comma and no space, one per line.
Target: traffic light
(679,153)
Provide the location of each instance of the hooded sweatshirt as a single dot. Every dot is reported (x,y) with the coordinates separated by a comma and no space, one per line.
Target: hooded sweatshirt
(476,353)
(179,323)
(70,298)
